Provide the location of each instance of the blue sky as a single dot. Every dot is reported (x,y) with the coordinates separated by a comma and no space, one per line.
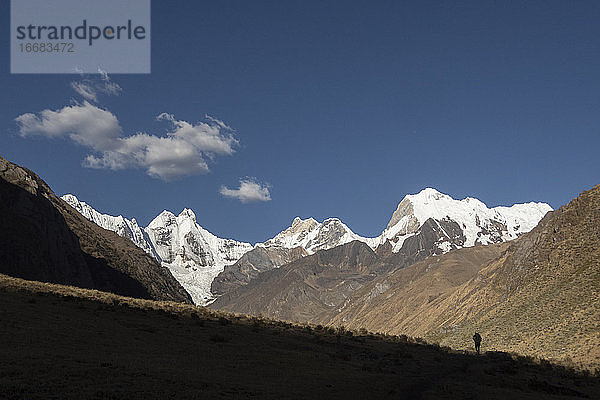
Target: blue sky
(341,108)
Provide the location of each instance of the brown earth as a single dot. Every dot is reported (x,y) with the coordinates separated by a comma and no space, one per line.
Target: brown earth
(61,342)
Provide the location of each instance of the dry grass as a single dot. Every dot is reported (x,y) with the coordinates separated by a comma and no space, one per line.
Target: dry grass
(64,342)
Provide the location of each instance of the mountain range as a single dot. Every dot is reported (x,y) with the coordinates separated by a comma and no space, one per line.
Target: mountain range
(424,224)
(535,295)
(525,277)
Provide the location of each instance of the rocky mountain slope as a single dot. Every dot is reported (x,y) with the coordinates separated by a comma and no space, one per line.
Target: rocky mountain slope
(306,287)
(42,238)
(542,296)
(537,295)
(250,265)
(401,302)
(328,286)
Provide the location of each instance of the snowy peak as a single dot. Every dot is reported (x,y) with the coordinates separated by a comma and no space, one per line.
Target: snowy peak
(312,235)
(120,225)
(480,224)
(186,213)
(192,254)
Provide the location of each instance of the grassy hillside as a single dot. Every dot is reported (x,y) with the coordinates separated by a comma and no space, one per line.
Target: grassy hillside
(64,342)
(542,297)
(538,295)
(402,302)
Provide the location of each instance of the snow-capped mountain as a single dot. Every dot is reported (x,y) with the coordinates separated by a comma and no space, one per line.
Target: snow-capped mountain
(427,223)
(192,254)
(477,223)
(124,227)
(313,236)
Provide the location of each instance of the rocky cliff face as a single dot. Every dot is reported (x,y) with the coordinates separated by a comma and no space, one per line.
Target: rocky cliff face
(306,287)
(42,238)
(250,265)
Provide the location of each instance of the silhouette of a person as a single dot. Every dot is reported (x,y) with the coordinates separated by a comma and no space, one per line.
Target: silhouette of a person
(477,340)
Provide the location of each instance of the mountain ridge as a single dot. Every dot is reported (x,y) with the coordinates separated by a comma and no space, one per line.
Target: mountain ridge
(43,238)
(207,264)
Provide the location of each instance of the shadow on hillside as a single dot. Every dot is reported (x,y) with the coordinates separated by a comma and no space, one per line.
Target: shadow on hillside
(75,343)
(36,243)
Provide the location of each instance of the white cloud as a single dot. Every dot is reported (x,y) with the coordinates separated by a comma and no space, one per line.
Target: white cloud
(89,89)
(84,123)
(250,190)
(184,149)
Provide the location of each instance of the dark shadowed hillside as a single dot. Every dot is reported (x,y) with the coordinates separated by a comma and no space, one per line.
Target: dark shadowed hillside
(70,343)
(43,238)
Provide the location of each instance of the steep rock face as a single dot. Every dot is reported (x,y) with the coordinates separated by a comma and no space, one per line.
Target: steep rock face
(42,238)
(308,286)
(250,265)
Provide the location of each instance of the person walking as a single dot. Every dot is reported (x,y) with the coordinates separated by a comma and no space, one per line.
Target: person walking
(477,340)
